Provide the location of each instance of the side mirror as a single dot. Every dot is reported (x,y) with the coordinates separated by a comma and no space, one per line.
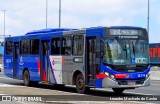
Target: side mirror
(102,49)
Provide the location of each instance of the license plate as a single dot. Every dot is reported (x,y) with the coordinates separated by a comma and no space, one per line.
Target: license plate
(131,83)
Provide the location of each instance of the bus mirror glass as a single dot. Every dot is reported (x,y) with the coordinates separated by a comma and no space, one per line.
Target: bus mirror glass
(98,55)
(102,48)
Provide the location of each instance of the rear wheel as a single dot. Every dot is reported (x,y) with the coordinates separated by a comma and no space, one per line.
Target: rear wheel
(26,78)
(80,85)
(118,90)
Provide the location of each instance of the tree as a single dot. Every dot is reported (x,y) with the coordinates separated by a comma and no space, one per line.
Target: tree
(1,55)
(1,43)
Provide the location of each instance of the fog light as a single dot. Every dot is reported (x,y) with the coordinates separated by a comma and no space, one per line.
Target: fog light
(112,77)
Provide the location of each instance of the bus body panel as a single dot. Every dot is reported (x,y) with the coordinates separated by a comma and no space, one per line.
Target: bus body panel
(73,63)
(109,83)
(31,63)
(56,69)
(8,65)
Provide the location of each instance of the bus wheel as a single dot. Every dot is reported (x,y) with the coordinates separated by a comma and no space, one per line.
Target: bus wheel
(118,90)
(80,86)
(26,78)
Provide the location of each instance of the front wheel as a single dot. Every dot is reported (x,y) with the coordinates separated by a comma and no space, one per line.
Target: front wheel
(80,85)
(118,90)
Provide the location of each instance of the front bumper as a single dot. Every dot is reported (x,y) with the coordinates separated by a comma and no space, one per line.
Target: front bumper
(110,83)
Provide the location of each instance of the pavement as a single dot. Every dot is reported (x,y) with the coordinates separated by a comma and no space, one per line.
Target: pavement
(63,95)
(155,73)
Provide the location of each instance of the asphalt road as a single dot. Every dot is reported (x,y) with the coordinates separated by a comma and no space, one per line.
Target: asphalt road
(15,87)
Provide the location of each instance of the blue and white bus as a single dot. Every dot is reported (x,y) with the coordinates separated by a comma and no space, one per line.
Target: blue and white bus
(114,57)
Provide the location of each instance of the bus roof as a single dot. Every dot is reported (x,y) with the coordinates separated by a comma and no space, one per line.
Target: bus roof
(41,32)
(61,30)
(49,30)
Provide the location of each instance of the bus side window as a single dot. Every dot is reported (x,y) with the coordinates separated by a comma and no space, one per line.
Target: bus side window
(9,47)
(55,49)
(34,46)
(66,45)
(78,45)
(24,47)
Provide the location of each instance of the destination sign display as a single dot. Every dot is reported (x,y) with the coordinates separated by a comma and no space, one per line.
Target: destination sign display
(125,32)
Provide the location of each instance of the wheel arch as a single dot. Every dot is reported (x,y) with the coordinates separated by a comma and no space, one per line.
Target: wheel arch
(74,75)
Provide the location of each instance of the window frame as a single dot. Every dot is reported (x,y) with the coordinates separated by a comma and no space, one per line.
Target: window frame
(82,45)
(38,46)
(11,53)
(60,40)
(62,45)
(28,48)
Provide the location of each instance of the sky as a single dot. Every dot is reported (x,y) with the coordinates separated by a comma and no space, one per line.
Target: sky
(1,50)
(23,16)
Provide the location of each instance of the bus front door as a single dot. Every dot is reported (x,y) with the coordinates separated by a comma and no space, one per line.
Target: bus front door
(91,60)
(15,59)
(44,60)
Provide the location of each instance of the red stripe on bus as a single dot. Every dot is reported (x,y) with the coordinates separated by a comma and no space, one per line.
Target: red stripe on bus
(44,76)
(101,76)
(38,65)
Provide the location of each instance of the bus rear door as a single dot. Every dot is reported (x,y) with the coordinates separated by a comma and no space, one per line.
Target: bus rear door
(44,61)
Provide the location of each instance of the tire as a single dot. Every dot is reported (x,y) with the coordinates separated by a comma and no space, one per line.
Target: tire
(80,85)
(118,90)
(26,78)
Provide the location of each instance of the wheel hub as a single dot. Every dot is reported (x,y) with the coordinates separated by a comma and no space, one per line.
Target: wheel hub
(80,83)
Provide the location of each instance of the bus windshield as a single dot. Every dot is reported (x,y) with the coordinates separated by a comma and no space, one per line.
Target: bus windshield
(125,51)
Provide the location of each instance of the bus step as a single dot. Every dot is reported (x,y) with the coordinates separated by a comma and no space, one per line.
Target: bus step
(44,82)
(15,78)
(92,80)
(90,86)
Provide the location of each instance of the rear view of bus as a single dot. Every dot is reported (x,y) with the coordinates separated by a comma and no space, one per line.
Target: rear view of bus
(125,58)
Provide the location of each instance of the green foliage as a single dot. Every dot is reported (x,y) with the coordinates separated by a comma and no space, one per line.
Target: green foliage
(1,55)
(2,44)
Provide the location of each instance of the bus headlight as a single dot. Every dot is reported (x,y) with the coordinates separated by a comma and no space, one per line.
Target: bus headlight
(110,75)
(107,74)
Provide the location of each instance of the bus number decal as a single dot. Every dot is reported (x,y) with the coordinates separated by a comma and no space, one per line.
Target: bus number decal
(141,75)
